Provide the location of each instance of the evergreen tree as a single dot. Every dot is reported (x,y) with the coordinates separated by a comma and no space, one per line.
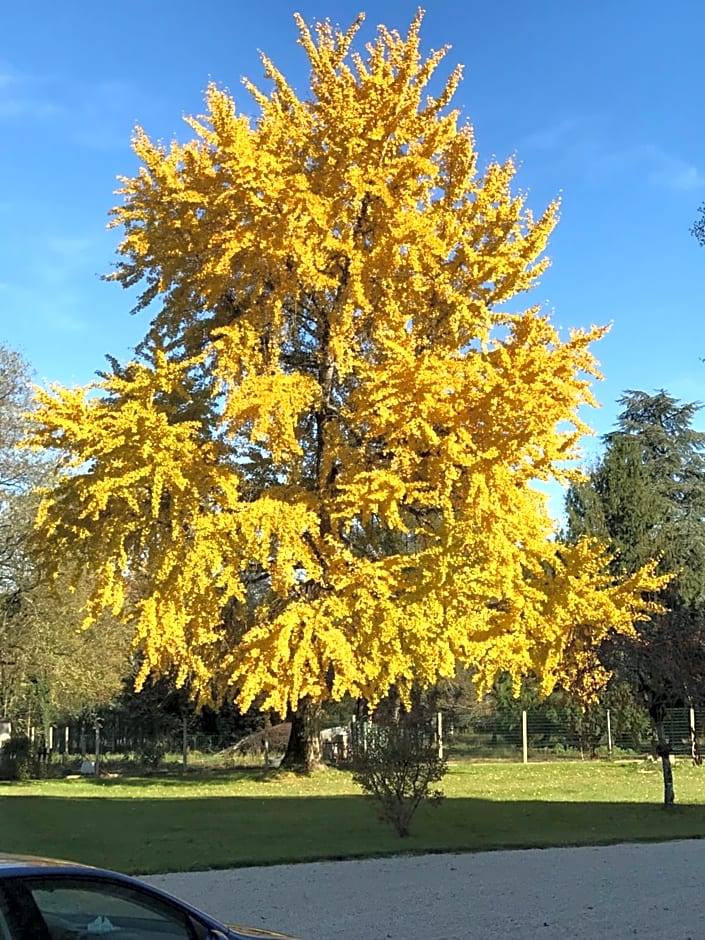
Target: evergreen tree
(647,497)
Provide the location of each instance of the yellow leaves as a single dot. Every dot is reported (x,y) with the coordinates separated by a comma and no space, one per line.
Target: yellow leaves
(318,477)
(374,493)
(273,405)
(583,603)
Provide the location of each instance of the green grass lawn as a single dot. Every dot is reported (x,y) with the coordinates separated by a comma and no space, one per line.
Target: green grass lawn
(173,824)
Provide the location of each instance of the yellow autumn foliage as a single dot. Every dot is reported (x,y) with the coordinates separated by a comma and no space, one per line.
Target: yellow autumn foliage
(317,476)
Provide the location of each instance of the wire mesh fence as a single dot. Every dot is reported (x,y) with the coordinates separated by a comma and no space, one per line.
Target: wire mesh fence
(465,735)
(459,734)
(531,735)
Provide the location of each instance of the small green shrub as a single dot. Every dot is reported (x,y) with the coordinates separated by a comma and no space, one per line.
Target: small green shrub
(16,759)
(396,764)
(152,754)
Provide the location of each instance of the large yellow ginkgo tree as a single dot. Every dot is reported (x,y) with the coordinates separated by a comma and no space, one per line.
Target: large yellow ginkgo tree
(318,475)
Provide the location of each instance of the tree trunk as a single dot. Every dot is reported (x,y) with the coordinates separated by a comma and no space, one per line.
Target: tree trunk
(184,742)
(663,749)
(694,743)
(303,752)
(388,709)
(96,763)
(265,738)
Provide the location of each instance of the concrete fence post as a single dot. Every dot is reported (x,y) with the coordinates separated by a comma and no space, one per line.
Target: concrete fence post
(609,733)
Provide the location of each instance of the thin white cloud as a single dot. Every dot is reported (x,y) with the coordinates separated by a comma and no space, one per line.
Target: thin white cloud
(69,247)
(552,136)
(588,146)
(65,257)
(103,112)
(653,163)
(51,308)
(673,172)
(65,320)
(22,96)
(49,290)
(106,114)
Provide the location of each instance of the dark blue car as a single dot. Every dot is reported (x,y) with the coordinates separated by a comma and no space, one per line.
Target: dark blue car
(45,899)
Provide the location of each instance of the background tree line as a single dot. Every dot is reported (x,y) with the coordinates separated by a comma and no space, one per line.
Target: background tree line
(49,666)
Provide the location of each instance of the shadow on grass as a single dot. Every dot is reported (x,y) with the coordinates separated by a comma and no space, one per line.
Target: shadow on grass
(146,835)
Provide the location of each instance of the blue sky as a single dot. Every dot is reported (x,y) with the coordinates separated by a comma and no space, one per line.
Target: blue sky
(600,102)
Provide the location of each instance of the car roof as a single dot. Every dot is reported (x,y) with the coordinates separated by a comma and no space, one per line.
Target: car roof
(23,862)
(20,866)
(12,864)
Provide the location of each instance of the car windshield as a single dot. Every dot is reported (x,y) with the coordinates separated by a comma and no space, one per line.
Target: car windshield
(81,909)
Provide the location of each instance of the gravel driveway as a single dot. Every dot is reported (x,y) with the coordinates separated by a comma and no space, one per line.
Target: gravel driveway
(620,891)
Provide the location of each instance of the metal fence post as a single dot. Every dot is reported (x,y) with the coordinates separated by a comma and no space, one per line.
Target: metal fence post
(96,763)
(524,737)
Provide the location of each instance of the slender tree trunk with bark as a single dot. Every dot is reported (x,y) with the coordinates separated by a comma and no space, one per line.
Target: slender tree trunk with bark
(663,750)
(694,743)
(184,742)
(303,752)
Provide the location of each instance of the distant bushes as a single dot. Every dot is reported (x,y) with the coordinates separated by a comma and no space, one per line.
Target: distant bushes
(18,760)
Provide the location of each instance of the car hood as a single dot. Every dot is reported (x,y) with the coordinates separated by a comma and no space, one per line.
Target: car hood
(246,932)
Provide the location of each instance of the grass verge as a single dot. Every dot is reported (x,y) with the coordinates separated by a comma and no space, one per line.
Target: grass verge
(199,822)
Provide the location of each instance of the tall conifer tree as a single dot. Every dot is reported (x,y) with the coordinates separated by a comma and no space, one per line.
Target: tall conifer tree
(646,496)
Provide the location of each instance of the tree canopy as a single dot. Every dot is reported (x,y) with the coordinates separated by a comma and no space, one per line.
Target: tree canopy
(646,496)
(317,475)
(47,663)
